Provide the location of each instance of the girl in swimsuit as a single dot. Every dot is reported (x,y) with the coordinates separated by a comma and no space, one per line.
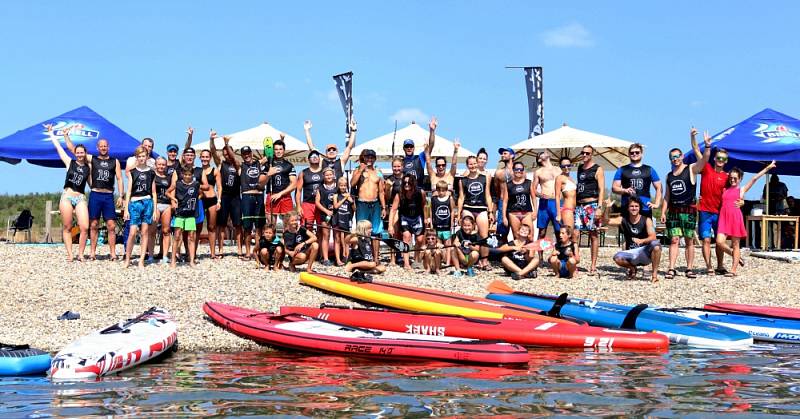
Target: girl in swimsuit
(566,191)
(73,201)
(564,259)
(518,196)
(211,179)
(474,200)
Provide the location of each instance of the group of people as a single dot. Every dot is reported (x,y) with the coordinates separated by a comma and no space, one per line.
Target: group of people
(462,220)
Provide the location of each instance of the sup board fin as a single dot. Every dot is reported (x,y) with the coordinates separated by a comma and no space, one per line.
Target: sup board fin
(555,310)
(630,319)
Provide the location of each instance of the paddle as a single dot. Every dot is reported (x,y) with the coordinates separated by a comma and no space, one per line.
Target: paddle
(397,245)
(490,241)
(123,328)
(10,347)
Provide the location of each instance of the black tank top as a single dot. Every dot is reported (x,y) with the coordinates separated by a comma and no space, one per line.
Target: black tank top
(639,178)
(588,187)
(211,179)
(230,180)
(292,240)
(326,194)
(363,250)
(172,168)
(77,176)
(681,189)
(104,173)
(519,196)
(441,213)
(280,181)
(474,191)
(197,175)
(345,210)
(412,206)
(413,165)
(562,250)
(187,198)
(463,238)
(634,231)
(142,182)
(162,185)
(311,182)
(335,164)
(249,176)
(397,182)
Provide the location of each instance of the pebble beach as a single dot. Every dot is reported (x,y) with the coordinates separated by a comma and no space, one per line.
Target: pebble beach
(38,285)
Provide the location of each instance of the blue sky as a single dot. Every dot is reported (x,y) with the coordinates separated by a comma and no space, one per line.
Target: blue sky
(634,70)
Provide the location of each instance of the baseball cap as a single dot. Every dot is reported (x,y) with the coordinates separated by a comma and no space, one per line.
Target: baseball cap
(245,149)
(330,146)
(313,152)
(369,152)
(189,150)
(501,150)
(172,147)
(408,142)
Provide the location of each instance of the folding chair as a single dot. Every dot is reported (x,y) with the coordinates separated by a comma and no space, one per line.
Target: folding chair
(23,222)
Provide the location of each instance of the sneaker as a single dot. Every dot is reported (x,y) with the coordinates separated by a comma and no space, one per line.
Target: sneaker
(148,259)
(457,274)
(165,261)
(533,274)
(470,271)
(515,276)
(327,263)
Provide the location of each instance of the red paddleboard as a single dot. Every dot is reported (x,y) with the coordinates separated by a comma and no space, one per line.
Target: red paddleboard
(522,332)
(298,332)
(770,311)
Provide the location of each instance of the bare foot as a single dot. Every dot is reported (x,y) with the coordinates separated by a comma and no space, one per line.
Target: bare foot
(141,264)
(173,264)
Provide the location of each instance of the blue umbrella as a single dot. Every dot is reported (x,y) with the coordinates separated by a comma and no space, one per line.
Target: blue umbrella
(33,144)
(753,143)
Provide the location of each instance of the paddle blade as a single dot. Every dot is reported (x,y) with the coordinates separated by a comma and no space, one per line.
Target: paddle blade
(397,245)
(499,287)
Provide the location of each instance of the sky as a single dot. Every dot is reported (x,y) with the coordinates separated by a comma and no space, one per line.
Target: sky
(640,71)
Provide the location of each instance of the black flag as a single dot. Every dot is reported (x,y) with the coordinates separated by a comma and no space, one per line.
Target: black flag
(533,84)
(344,86)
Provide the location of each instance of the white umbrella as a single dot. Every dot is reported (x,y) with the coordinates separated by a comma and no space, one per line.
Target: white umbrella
(296,150)
(609,152)
(383,144)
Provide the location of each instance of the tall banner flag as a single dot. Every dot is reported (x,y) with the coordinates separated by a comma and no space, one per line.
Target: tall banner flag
(344,86)
(533,84)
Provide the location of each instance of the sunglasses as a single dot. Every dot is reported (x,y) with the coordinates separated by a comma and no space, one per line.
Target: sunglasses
(519,169)
(441,165)
(586,153)
(566,166)
(720,158)
(675,157)
(634,153)
(330,149)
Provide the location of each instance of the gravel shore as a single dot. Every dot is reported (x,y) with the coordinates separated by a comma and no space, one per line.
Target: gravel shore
(38,284)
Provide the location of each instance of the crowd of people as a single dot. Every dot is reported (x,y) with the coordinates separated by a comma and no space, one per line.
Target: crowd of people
(444,218)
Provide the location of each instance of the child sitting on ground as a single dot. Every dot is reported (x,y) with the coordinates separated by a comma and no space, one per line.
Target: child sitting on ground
(564,260)
(269,250)
(433,253)
(361,252)
(520,259)
(465,252)
(299,244)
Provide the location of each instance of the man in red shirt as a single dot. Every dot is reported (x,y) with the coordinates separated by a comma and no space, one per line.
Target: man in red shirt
(711,186)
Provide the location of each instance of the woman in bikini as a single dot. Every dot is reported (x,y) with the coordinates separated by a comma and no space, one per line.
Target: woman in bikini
(475,200)
(73,201)
(566,189)
(211,179)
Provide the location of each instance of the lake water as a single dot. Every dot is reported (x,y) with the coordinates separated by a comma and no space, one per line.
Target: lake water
(683,382)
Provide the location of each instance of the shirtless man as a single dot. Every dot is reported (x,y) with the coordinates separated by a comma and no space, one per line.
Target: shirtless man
(371,203)
(544,180)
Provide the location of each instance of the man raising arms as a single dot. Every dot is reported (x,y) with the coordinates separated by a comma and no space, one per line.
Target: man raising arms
(330,159)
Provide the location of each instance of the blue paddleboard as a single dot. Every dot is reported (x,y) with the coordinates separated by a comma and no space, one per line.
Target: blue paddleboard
(679,329)
(769,329)
(22,360)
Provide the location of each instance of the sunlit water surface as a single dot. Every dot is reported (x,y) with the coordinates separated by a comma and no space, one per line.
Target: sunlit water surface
(680,383)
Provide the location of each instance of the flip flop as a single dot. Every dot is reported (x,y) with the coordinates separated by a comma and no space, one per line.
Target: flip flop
(670,274)
(69,315)
(690,274)
(721,271)
(730,274)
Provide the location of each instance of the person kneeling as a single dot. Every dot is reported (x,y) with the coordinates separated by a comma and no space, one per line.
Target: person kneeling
(361,252)
(564,260)
(433,253)
(520,259)
(269,250)
(465,251)
(641,244)
(300,244)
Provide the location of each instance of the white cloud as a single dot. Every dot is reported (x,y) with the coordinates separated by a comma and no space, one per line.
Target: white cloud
(279,85)
(573,35)
(406,115)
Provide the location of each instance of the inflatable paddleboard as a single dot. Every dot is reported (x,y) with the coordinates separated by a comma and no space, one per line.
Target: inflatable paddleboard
(772,311)
(522,332)
(769,329)
(422,299)
(679,329)
(117,347)
(22,360)
(298,332)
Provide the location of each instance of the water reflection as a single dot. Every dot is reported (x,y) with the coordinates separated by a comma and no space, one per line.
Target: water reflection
(556,382)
